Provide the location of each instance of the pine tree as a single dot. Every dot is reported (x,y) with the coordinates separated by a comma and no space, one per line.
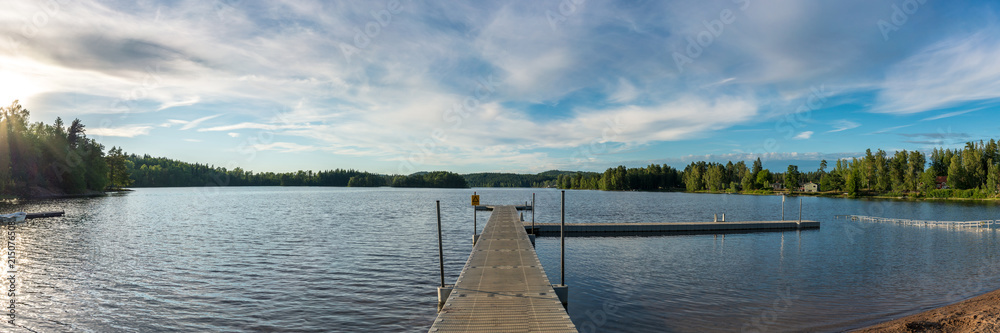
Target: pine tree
(118,174)
(956,174)
(792,178)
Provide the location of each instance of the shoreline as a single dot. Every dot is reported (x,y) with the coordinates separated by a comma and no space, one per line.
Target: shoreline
(977,314)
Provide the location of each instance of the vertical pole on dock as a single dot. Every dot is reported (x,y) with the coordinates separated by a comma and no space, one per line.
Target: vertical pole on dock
(782,207)
(475,224)
(440,243)
(532,213)
(800,210)
(562,241)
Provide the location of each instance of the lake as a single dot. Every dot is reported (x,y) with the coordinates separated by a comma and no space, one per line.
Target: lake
(361,259)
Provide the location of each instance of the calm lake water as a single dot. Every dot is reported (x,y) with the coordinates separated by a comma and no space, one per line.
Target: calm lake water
(365,260)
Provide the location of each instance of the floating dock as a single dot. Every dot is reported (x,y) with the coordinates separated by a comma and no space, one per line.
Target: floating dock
(489,208)
(611,229)
(925,223)
(43,215)
(503,287)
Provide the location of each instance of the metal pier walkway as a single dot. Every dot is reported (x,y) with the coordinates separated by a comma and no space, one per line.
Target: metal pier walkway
(503,287)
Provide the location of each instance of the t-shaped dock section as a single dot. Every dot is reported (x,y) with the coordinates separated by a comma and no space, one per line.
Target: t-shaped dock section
(503,287)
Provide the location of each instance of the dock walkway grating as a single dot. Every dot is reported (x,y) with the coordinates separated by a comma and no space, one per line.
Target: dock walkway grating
(503,287)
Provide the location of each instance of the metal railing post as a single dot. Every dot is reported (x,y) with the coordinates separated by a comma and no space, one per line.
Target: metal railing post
(562,240)
(440,243)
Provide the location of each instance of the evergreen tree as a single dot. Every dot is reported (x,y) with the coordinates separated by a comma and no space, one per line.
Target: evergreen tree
(792,178)
(852,183)
(118,174)
(749,181)
(956,174)
(993,179)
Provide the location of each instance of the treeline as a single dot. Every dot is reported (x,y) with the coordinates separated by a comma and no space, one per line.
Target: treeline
(970,172)
(491,179)
(707,176)
(51,159)
(148,171)
(437,179)
(651,178)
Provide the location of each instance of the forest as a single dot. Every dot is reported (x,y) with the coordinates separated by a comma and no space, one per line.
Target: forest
(493,179)
(969,172)
(38,159)
(651,178)
(150,171)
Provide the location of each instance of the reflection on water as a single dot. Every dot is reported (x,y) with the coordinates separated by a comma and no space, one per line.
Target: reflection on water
(337,259)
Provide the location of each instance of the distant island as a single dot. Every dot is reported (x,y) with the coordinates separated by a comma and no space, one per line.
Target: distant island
(43,160)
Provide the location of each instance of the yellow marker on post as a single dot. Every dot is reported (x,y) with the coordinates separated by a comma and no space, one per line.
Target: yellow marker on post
(475,200)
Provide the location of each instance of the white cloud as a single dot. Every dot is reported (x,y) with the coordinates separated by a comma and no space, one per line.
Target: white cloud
(232,134)
(890,129)
(188,124)
(124,131)
(286,147)
(626,92)
(250,125)
(804,135)
(950,114)
(843,125)
(188,102)
(944,74)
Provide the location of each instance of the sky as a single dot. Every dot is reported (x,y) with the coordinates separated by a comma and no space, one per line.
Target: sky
(402,86)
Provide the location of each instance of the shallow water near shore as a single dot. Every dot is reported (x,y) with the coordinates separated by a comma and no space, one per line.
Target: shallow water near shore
(349,259)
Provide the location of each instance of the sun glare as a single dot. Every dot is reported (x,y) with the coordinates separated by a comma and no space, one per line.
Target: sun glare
(16,86)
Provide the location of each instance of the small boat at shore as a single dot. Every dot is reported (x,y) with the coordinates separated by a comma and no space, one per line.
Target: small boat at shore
(13,217)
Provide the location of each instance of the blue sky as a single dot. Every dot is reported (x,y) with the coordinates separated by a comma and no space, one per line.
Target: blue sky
(518,86)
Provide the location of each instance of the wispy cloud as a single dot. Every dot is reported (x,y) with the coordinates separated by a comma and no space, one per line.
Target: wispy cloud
(249,125)
(843,125)
(626,92)
(804,135)
(890,129)
(950,114)
(188,102)
(188,124)
(287,147)
(947,73)
(936,139)
(124,131)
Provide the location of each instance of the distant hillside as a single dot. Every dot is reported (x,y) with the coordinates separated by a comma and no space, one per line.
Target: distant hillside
(495,179)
